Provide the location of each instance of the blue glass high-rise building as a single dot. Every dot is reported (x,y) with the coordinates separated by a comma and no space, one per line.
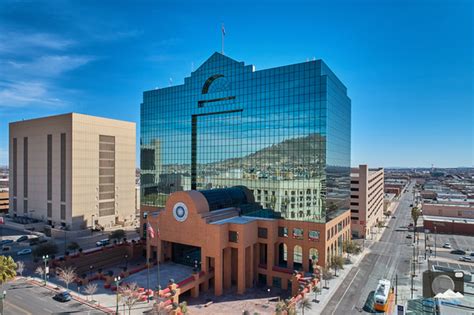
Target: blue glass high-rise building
(285,133)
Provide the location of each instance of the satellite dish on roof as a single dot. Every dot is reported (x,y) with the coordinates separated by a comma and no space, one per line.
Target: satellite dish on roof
(441,284)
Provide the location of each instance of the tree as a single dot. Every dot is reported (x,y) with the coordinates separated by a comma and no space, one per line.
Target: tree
(90,289)
(40,271)
(117,235)
(67,275)
(130,295)
(49,248)
(281,307)
(380,225)
(184,307)
(20,267)
(351,247)
(388,214)
(316,291)
(327,276)
(73,246)
(305,304)
(7,269)
(337,262)
(415,215)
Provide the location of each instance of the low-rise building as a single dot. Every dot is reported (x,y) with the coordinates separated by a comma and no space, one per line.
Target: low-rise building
(4,201)
(232,239)
(73,170)
(367,199)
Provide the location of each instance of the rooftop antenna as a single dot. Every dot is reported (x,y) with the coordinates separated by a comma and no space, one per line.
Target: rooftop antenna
(223,35)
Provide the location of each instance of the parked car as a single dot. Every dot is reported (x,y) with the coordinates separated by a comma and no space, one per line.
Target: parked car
(103,242)
(25,251)
(466,258)
(411,205)
(394,217)
(458,252)
(472,254)
(22,238)
(37,240)
(409,236)
(62,296)
(447,245)
(6,248)
(3,242)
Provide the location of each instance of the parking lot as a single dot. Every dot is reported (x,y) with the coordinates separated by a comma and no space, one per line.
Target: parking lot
(443,256)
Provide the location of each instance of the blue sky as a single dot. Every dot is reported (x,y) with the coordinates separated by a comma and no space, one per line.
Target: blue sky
(408,65)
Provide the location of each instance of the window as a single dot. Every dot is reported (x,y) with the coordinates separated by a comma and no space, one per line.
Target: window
(282,231)
(262,232)
(50,210)
(63,212)
(298,233)
(314,235)
(233,236)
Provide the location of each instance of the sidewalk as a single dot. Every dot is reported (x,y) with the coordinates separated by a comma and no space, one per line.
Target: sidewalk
(326,294)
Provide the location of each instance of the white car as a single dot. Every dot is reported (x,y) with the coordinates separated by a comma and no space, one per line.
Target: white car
(465,258)
(25,251)
(447,245)
(103,242)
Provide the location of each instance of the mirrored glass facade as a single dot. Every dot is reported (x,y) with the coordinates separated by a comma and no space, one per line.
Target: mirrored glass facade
(283,132)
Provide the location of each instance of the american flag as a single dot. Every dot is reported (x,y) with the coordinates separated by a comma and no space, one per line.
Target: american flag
(150,231)
(223,30)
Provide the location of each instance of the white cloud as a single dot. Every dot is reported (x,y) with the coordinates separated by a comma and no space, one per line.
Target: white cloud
(13,42)
(22,94)
(45,66)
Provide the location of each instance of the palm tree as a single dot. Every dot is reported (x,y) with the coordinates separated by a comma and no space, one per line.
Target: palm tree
(305,304)
(327,275)
(281,307)
(415,215)
(316,290)
(7,269)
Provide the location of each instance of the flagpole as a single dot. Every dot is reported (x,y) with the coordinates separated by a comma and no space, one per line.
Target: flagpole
(158,243)
(147,260)
(222,38)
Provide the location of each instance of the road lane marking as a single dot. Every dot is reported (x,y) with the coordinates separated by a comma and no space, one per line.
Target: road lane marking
(342,297)
(18,308)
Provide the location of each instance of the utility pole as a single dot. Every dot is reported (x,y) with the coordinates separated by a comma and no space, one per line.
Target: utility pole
(396,288)
(413,271)
(435,240)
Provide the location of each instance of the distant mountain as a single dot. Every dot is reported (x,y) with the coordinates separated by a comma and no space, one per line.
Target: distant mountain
(291,152)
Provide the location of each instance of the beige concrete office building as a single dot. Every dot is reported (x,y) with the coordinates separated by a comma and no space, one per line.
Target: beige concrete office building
(73,170)
(367,199)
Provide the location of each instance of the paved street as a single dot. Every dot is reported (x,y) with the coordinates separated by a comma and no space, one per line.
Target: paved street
(26,299)
(387,258)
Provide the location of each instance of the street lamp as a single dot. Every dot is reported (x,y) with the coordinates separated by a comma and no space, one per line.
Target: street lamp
(126,260)
(90,270)
(45,259)
(117,279)
(2,298)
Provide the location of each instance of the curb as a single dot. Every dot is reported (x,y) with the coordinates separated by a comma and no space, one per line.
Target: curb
(76,298)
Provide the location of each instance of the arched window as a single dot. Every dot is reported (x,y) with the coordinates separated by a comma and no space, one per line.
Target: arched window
(282,255)
(313,258)
(298,257)
(207,84)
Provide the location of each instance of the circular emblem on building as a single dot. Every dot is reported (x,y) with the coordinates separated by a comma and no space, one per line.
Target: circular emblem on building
(180,212)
